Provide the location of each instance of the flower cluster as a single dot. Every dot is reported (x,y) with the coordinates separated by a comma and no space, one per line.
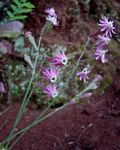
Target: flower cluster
(52,16)
(60,59)
(51,74)
(103,40)
(108,29)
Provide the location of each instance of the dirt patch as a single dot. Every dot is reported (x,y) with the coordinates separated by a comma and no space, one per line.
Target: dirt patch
(93,126)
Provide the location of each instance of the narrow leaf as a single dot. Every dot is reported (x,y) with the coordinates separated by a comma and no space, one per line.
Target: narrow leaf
(10,14)
(21,11)
(18,17)
(28,60)
(17,3)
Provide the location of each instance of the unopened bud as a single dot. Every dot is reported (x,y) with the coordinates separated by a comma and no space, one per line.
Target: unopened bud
(86,95)
(31,39)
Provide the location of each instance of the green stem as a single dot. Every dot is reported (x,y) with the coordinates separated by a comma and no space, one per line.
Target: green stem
(21,109)
(70,76)
(39,119)
(23,131)
(26,100)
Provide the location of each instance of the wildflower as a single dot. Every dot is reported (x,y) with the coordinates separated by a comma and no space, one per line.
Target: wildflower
(2,87)
(59,60)
(51,90)
(50,74)
(28,33)
(107,26)
(102,41)
(100,54)
(51,12)
(53,20)
(52,16)
(83,75)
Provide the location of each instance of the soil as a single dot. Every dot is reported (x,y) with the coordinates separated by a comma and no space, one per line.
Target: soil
(91,126)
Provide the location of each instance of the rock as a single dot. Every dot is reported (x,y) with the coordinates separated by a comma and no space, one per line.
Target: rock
(11,30)
(2,87)
(5,47)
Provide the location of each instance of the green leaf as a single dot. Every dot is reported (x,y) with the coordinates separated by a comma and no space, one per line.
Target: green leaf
(18,18)
(19,11)
(23,1)
(14,8)
(19,8)
(10,14)
(27,5)
(28,60)
(17,3)
(19,42)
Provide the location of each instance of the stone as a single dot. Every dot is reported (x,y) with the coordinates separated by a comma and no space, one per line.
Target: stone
(11,30)
(5,47)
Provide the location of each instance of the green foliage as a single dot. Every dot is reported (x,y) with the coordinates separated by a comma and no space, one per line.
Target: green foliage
(19,9)
(2,147)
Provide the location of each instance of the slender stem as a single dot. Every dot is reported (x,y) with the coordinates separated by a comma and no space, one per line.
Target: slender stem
(40,39)
(26,100)
(21,109)
(67,81)
(39,119)
(27,94)
(20,136)
(23,131)
(70,76)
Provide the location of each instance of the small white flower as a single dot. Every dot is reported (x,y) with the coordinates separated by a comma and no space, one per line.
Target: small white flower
(52,16)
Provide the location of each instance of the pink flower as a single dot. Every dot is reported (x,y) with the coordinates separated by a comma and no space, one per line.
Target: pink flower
(28,34)
(107,26)
(100,54)
(52,16)
(59,60)
(51,12)
(102,41)
(53,20)
(83,75)
(50,74)
(50,91)
(2,87)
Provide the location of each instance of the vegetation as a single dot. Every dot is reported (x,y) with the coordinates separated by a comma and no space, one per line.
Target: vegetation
(19,9)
